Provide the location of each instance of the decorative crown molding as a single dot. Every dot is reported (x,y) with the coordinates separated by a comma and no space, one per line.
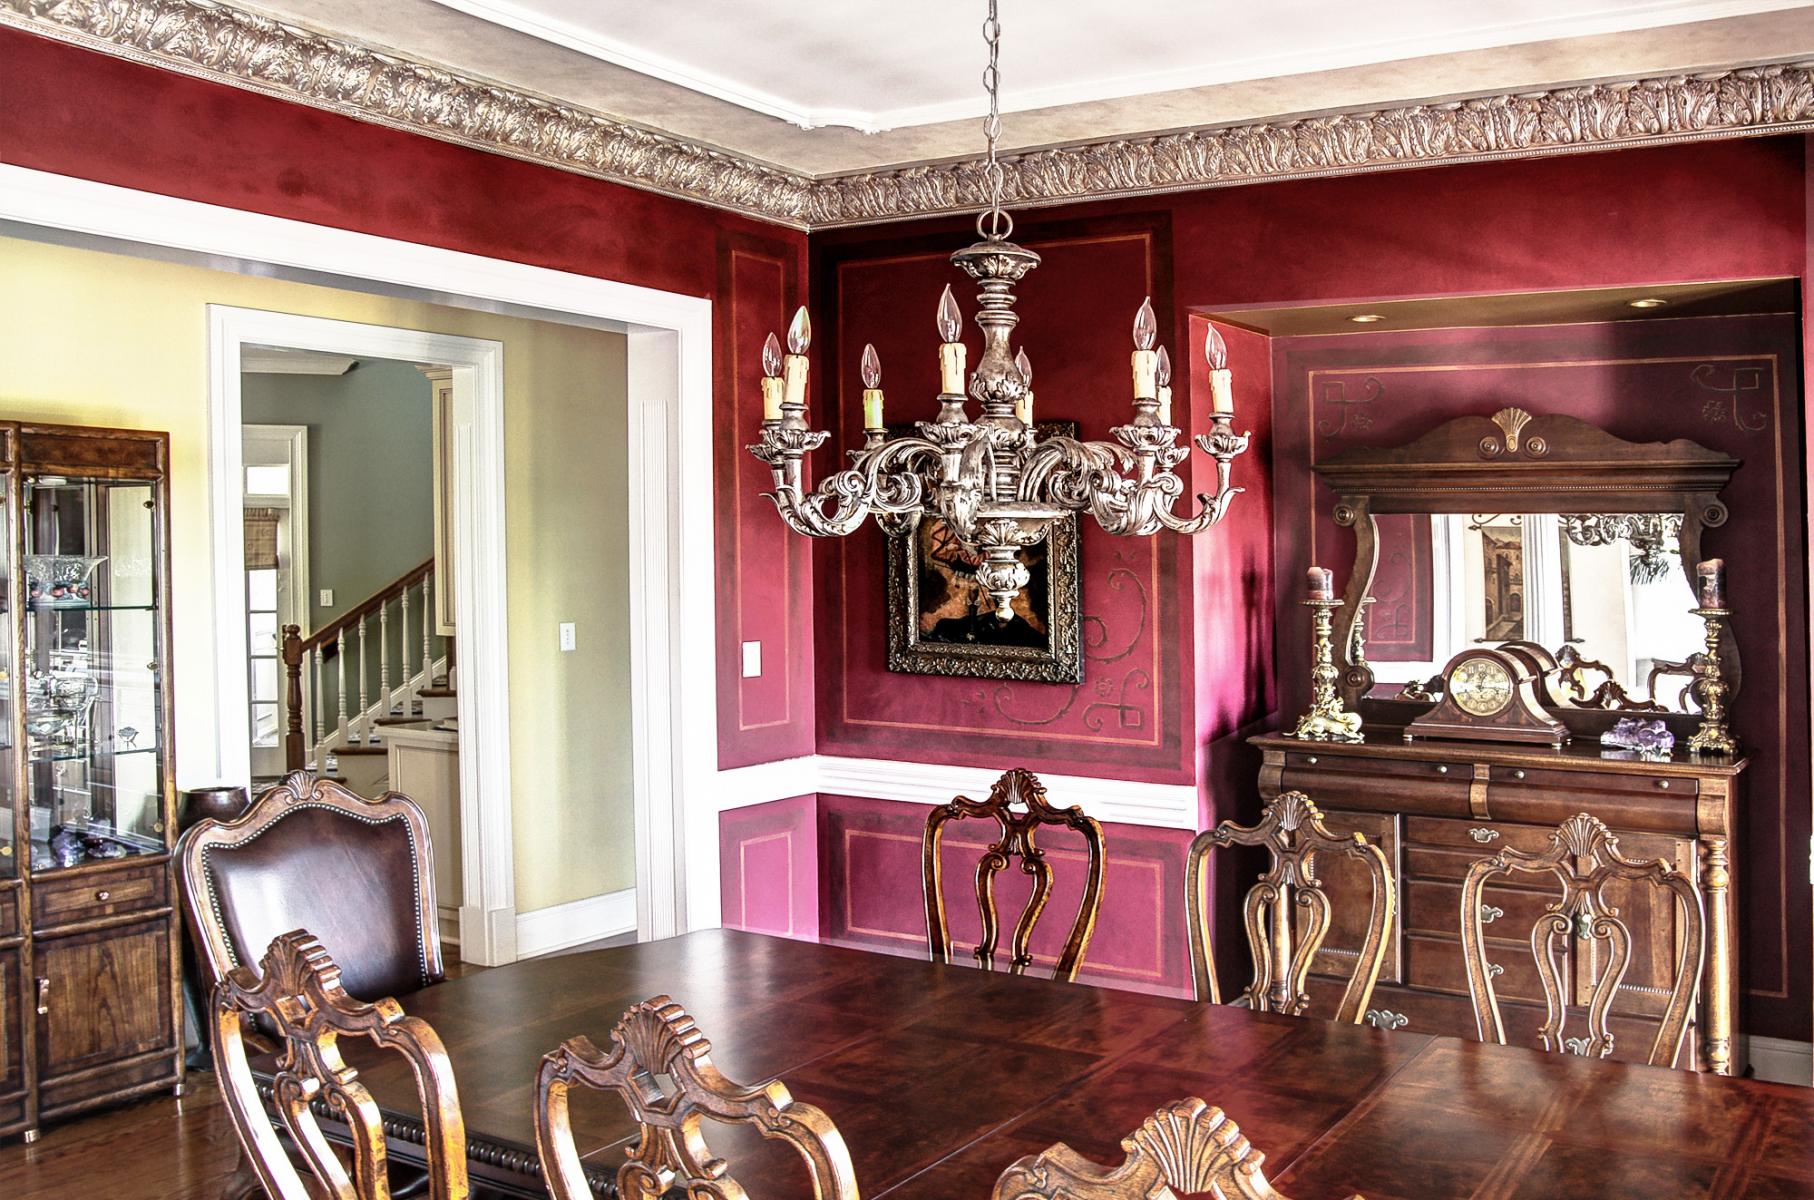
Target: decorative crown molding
(231,45)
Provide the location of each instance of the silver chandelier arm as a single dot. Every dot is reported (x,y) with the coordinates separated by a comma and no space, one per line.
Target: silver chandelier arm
(839,503)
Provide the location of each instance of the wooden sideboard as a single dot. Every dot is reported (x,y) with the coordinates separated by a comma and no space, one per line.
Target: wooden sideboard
(1437,806)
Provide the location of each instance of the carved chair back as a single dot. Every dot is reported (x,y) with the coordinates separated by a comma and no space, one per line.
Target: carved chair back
(1287,913)
(309,854)
(1187,1148)
(1018,806)
(1584,856)
(661,1065)
(296,991)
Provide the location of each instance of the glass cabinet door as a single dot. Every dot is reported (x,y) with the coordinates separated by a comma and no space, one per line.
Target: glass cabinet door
(92,669)
(9,852)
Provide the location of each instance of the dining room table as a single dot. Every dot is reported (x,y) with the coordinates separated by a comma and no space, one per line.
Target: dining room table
(939,1076)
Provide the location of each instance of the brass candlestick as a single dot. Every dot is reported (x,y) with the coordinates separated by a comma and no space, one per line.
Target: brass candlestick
(1326,721)
(1712,737)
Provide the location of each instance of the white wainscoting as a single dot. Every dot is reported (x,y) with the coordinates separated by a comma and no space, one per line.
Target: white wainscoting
(564,926)
(1160,805)
(1782,1061)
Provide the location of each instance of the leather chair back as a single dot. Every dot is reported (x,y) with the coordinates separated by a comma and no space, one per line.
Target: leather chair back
(357,874)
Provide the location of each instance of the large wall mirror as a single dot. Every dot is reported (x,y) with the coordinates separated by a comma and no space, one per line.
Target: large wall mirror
(1539,533)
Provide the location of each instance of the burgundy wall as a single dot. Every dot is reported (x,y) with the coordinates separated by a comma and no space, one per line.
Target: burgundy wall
(1730,383)
(75,112)
(768,867)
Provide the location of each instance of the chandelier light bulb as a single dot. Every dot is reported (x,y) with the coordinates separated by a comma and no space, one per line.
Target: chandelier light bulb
(872,367)
(1165,367)
(800,333)
(1215,349)
(771,357)
(1024,365)
(1146,326)
(950,320)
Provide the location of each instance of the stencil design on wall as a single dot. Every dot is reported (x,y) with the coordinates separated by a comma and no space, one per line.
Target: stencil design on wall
(1733,401)
(1129,715)
(1344,413)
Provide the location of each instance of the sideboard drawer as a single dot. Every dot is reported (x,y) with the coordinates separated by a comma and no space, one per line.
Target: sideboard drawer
(93,894)
(1507,913)
(1336,780)
(1480,838)
(1436,963)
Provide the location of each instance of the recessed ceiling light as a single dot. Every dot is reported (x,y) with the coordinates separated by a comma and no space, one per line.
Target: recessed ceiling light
(1647,302)
(1367,318)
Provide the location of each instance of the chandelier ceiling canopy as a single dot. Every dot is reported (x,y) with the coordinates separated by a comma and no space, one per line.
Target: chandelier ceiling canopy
(992,479)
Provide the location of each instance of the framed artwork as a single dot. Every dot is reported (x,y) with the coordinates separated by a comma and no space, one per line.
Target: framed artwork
(940,622)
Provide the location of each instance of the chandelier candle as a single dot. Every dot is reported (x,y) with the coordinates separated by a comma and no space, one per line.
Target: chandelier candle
(1163,375)
(1146,359)
(995,483)
(1221,383)
(771,379)
(1023,408)
(951,354)
(872,390)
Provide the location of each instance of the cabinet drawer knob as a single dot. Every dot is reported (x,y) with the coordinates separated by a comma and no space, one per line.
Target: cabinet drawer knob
(1483,836)
(1442,769)
(1519,774)
(1310,759)
(103,895)
(1490,913)
(1385,1018)
(1663,783)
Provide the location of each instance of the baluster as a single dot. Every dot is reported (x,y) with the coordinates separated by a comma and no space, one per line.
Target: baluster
(292,696)
(403,643)
(317,705)
(428,621)
(365,707)
(384,659)
(340,686)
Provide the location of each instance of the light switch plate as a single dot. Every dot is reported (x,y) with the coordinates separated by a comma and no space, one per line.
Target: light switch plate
(327,598)
(752,660)
(568,640)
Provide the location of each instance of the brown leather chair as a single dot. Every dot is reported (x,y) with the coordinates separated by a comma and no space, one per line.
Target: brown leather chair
(357,874)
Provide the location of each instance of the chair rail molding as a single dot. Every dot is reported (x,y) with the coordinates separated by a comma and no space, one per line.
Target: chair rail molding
(1115,801)
(671,563)
(225,44)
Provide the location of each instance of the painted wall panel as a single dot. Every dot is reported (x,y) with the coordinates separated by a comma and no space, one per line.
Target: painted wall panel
(768,865)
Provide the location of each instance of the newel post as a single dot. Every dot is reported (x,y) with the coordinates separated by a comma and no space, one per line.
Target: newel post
(293,750)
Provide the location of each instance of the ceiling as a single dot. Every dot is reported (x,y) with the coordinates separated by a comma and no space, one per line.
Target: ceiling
(825,88)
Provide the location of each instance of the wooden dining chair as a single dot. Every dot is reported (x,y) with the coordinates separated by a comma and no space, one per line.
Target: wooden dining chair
(1584,856)
(309,854)
(296,992)
(661,1065)
(1187,1148)
(1018,806)
(1287,912)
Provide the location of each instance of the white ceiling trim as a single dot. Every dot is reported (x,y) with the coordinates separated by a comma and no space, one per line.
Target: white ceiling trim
(217,42)
(1305,59)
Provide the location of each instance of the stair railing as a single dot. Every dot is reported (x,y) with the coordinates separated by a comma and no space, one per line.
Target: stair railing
(307,733)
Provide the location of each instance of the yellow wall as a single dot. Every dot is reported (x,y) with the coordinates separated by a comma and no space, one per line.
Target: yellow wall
(104,339)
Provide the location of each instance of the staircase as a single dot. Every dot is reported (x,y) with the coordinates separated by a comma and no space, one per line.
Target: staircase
(343,692)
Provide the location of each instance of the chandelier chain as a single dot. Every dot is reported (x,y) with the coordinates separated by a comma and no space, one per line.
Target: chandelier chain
(999,224)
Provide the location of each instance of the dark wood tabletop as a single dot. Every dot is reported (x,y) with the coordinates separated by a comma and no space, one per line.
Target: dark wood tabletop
(940,1076)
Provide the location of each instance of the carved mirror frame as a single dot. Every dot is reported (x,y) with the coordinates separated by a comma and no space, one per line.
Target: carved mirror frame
(1516,461)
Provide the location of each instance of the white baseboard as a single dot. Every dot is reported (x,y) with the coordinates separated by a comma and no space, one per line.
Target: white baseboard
(1782,1061)
(1161,805)
(564,926)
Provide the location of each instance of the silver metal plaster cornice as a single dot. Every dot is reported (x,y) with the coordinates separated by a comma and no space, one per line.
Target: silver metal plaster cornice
(231,45)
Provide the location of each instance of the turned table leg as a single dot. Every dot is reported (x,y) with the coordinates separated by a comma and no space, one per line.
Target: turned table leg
(1716,989)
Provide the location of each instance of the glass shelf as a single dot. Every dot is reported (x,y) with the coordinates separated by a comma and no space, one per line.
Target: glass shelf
(33,607)
(85,755)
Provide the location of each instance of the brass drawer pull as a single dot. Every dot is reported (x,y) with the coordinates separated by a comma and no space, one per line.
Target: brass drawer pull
(1310,760)
(1385,1018)
(1519,774)
(1495,970)
(43,996)
(1490,913)
(103,895)
(1663,783)
(1483,836)
(1442,769)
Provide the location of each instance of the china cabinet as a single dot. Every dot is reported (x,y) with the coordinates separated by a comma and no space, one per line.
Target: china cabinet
(90,1009)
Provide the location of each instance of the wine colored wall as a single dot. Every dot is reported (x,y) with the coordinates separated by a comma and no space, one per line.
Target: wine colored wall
(75,112)
(1734,209)
(1732,384)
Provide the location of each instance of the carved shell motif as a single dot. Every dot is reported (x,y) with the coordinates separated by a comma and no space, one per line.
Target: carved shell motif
(1195,1147)
(1583,834)
(1296,810)
(1511,422)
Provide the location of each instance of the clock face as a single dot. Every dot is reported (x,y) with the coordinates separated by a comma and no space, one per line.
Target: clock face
(1480,686)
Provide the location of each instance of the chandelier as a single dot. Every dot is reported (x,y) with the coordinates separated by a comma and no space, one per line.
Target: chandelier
(993,480)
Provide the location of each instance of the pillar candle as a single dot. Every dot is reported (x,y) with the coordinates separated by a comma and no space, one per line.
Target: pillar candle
(1322,583)
(1712,575)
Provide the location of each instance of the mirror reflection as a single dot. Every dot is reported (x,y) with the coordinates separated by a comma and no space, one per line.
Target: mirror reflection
(1600,600)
